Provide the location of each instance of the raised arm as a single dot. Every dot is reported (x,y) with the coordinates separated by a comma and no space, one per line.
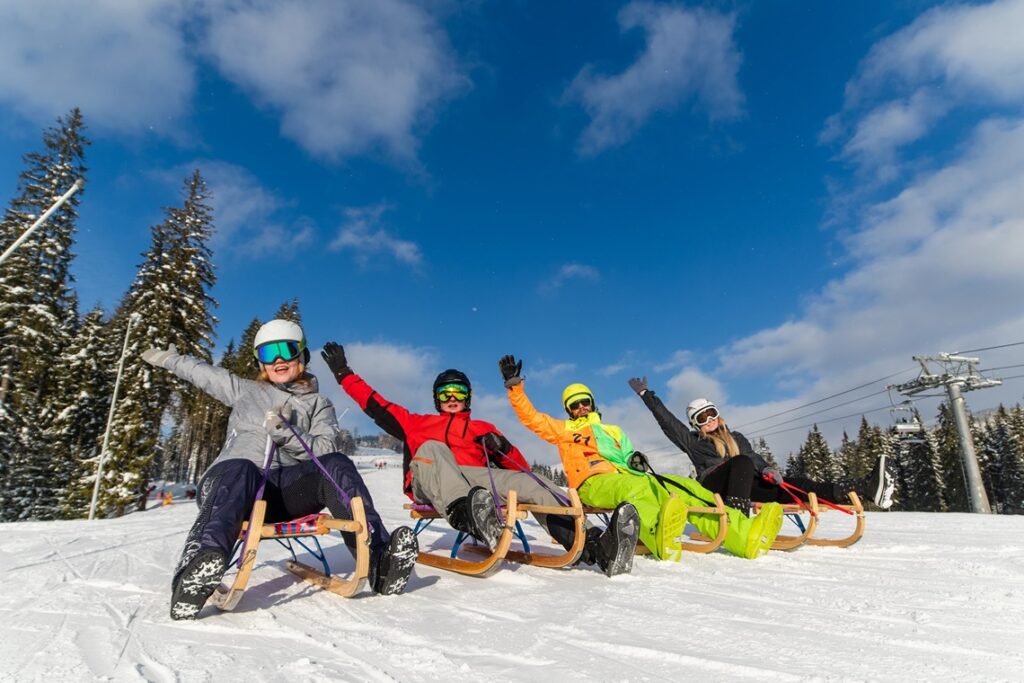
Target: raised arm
(544,426)
(217,382)
(675,429)
(390,417)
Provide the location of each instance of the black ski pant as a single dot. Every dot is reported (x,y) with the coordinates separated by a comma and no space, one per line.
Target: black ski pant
(228,489)
(737,478)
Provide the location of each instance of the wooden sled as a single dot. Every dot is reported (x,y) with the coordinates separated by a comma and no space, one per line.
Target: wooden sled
(513,511)
(227,597)
(857,509)
(795,513)
(696,543)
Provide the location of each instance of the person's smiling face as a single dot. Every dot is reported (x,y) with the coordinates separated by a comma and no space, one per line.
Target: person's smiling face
(282,371)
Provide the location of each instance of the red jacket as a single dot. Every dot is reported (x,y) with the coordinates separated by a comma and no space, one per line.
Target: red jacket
(457,430)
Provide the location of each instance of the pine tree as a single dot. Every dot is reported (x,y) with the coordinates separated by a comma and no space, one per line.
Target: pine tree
(920,474)
(762,448)
(848,459)
(817,459)
(947,448)
(1001,448)
(85,389)
(170,293)
(795,465)
(1012,469)
(870,445)
(39,310)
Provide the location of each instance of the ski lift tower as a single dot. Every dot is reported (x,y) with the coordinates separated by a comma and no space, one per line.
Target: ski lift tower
(958,374)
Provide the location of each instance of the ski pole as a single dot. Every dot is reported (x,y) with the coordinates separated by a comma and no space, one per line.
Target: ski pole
(42,219)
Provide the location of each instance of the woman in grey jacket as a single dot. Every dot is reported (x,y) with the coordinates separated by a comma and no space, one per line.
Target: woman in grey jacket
(281,403)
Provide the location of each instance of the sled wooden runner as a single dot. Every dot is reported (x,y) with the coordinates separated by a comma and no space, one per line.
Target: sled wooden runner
(792,510)
(228,597)
(551,560)
(697,543)
(481,567)
(856,508)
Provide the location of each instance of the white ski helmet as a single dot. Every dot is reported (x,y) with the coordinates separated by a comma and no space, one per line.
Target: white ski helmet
(697,406)
(280,331)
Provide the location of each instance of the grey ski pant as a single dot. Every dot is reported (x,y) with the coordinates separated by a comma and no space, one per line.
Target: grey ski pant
(438,480)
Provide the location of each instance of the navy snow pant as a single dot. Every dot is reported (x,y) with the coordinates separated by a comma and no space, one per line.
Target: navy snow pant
(228,489)
(737,478)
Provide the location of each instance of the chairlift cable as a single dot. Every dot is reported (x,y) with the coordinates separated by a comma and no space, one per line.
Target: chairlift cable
(989,348)
(821,400)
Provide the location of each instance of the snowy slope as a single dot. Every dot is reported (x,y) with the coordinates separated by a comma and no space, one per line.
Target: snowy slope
(922,597)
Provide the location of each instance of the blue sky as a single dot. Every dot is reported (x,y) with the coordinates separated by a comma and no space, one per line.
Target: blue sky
(761,203)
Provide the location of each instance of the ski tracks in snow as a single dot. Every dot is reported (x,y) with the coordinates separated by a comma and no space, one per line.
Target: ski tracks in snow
(921,597)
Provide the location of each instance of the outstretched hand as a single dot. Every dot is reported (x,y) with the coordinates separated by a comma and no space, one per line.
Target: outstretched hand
(158,357)
(771,475)
(510,370)
(638,384)
(334,355)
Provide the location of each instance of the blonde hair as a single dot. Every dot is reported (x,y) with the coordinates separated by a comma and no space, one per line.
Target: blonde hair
(303,378)
(725,445)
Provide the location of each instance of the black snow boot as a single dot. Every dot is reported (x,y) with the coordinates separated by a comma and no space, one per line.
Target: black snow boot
(486,526)
(391,566)
(590,548)
(457,515)
(617,545)
(562,529)
(739,503)
(196,582)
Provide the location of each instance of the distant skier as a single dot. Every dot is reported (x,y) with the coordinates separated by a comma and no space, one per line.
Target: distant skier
(445,463)
(295,487)
(600,462)
(729,466)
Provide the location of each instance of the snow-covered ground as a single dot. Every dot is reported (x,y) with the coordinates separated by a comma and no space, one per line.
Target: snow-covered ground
(921,597)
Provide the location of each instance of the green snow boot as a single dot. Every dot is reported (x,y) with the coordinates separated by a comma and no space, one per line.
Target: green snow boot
(763,530)
(671,523)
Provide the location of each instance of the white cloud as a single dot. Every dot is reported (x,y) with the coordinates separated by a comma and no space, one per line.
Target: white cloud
(935,264)
(347,77)
(363,234)
(543,374)
(125,64)
(570,271)
(690,54)
(949,56)
(934,269)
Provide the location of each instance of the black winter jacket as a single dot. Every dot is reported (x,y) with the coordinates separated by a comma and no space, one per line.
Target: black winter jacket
(701,451)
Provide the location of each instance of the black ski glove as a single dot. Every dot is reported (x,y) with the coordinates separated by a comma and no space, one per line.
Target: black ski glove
(495,445)
(638,461)
(510,369)
(638,384)
(334,355)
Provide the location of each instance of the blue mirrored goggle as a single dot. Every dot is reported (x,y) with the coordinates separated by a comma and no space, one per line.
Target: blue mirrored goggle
(285,350)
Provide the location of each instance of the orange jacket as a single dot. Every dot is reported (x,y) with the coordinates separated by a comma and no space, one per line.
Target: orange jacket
(585,445)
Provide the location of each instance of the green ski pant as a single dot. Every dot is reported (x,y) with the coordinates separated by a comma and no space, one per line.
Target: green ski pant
(648,495)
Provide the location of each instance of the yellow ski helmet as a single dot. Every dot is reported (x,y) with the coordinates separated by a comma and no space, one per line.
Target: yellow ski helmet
(575,392)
